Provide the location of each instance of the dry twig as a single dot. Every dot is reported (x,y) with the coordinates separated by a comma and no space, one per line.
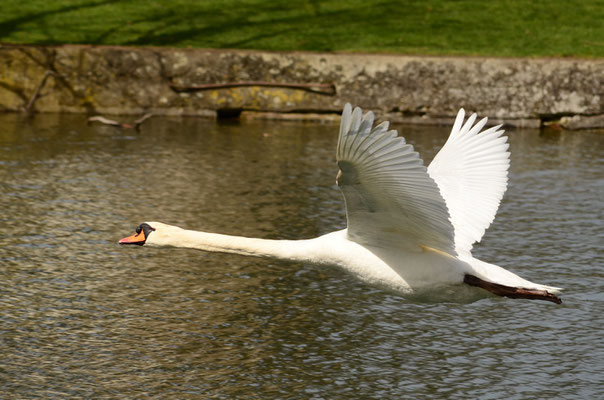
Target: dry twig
(36,94)
(135,125)
(319,88)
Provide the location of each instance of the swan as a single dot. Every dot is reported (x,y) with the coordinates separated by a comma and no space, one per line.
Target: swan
(410,228)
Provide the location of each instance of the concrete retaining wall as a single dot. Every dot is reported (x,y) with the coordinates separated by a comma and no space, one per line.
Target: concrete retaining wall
(122,80)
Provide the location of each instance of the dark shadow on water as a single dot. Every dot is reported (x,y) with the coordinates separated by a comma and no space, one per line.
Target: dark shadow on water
(459,294)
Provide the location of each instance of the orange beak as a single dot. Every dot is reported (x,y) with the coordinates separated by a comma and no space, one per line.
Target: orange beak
(137,238)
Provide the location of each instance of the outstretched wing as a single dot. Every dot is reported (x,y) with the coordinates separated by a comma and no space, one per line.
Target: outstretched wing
(471,171)
(391,201)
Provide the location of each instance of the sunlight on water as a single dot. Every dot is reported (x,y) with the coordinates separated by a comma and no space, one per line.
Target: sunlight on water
(82,317)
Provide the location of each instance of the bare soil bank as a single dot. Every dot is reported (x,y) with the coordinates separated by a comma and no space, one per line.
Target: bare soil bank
(224,83)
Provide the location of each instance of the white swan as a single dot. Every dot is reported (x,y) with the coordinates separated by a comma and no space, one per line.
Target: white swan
(409,227)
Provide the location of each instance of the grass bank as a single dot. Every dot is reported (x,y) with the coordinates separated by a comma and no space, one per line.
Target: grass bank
(465,27)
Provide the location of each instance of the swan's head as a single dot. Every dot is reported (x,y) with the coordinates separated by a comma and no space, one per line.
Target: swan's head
(153,234)
(143,231)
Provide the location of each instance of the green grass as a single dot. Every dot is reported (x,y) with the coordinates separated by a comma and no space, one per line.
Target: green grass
(464,27)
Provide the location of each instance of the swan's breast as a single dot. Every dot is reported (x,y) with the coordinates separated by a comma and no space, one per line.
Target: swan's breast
(397,269)
(335,249)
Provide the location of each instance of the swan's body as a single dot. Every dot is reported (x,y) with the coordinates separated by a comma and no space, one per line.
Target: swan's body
(410,227)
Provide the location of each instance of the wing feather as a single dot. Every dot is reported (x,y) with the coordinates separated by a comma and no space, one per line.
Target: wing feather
(391,201)
(471,172)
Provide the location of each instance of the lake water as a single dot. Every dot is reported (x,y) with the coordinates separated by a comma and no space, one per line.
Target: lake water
(82,317)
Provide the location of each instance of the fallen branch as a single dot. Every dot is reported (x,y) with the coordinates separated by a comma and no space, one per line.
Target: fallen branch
(510,291)
(34,96)
(319,88)
(135,125)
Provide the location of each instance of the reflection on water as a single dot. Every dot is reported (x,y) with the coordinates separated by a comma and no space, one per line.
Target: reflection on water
(82,317)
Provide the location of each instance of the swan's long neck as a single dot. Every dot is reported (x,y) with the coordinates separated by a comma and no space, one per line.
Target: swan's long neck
(294,250)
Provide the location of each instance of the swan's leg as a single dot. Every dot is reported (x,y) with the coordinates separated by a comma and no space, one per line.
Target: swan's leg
(510,291)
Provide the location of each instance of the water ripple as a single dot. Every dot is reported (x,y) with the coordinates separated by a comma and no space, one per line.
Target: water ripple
(82,317)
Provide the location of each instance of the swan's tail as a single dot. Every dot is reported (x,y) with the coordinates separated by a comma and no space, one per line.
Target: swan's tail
(551,289)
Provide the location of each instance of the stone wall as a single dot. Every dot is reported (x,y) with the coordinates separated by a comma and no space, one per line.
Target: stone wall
(123,80)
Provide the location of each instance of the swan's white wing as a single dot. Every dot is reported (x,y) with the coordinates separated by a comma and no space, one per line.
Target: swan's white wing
(471,171)
(391,201)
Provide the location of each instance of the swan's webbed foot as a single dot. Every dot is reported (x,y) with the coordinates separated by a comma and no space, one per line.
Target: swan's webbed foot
(511,291)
